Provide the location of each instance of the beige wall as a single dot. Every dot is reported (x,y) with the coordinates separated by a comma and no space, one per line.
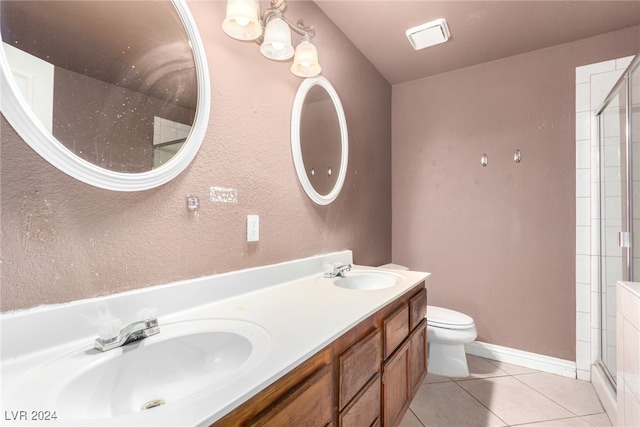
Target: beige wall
(499,240)
(63,240)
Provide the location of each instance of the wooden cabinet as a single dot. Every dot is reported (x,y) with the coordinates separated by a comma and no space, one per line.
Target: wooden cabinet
(395,386)
(365,408)
(417,308)
(287,393)
(308,404)
(406,364)
(417,357)
(357,366)
(396,329)
(367,377)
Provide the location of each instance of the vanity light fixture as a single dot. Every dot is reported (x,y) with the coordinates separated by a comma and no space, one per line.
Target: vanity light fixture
(272,31)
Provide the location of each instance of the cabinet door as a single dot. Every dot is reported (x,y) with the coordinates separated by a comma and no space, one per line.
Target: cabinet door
(309,404)
(395,386)
(365,409)
(357,365)
(418,357)
(417,308)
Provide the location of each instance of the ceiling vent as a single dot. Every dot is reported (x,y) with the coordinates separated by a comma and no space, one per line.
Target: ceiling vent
(429,34)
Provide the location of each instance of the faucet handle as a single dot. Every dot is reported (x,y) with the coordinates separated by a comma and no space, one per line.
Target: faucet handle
(109,328)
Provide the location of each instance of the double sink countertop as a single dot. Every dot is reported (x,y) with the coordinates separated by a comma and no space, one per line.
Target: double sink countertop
(300,311)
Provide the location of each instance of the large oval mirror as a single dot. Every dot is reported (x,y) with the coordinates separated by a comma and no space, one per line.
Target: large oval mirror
(115,94)
(319,140)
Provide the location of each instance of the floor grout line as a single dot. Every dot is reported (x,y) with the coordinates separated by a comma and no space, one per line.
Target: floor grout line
(485,406)
(502,374)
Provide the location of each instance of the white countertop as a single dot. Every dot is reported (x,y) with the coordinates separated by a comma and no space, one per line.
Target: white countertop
(301,315)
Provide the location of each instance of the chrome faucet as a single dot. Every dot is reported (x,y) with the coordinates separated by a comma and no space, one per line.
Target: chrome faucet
(337,270)
(111,336)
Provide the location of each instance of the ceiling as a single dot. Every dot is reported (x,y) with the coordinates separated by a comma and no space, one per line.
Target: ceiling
(481,31)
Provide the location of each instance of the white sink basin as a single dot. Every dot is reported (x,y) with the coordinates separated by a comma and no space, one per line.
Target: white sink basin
(367,280)
(147,376)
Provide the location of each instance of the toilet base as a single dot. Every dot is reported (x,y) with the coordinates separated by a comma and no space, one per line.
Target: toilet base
(449,360)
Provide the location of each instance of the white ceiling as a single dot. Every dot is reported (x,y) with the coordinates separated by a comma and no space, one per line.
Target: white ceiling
(481,31)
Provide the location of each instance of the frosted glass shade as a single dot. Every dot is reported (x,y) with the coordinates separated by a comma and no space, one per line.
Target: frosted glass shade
(305,62)
(242,20)
(277,39)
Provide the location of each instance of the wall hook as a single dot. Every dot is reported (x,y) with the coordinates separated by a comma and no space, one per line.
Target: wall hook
(484,160)
(517,157)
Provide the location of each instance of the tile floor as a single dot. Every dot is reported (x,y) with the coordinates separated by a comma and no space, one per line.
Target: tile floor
(500,394)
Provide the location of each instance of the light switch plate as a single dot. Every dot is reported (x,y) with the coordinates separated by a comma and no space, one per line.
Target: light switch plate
(253,228)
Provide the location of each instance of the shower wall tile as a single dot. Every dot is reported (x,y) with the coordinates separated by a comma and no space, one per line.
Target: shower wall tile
(583,240)
(583,181)
(583,154)
(613,265)
(623,63)
(595,205)
(582,97)
(601,85)
(584,73)
(583,125)
(595,312)
(583,326)
(594,165)
(583,298)
(595,243)
(583,269)
(595,274)
(582,211)
(595,340)
(583,362)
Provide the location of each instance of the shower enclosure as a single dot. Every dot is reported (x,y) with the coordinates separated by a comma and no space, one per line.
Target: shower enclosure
(619,202)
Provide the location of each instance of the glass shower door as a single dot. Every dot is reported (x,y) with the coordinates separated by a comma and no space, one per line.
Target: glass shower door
(634,137)
(614,257)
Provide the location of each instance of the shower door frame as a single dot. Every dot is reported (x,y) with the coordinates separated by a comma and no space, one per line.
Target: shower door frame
(628,219)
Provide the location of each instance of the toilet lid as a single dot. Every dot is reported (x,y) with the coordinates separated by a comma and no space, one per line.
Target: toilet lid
(445,318)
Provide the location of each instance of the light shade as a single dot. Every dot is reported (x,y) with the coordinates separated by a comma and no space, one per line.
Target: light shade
(277,39)
(305,63)
(242,21)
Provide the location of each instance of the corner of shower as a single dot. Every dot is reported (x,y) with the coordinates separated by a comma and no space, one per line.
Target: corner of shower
(618,225)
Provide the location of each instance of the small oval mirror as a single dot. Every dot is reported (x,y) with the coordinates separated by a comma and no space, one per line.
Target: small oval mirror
(116,73)
(319,140)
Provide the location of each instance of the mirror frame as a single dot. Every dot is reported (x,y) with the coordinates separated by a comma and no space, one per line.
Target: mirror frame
(296,147)
(19,115)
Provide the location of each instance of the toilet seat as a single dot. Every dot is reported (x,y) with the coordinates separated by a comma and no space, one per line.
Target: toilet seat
(448,319)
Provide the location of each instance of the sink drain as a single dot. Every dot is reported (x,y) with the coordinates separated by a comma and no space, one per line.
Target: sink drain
(152,404)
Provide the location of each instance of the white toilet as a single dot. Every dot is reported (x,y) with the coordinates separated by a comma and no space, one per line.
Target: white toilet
(447,333)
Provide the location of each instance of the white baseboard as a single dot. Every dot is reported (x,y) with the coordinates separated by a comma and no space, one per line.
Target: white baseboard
(553,365)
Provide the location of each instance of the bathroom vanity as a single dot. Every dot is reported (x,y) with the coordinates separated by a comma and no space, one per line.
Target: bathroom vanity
(366,377)
(273,345)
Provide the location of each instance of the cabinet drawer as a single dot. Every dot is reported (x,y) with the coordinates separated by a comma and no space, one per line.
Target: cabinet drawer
(418,308)
(308,404)
(357,365)
(365,410)
(396,329)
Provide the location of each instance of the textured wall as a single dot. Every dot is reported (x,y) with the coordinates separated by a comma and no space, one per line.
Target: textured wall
(63,240)
(499,241)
